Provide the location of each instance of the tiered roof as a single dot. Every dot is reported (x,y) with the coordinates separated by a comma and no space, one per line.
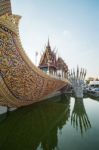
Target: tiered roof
(61,65)
(48,56)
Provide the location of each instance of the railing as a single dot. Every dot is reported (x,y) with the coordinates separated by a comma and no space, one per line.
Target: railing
(57,77)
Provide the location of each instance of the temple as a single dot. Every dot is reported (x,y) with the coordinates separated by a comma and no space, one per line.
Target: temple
(50,64)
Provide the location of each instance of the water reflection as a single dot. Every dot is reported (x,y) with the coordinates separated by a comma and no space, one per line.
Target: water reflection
(93,97)
(29,127)
(3,117)
(79,117)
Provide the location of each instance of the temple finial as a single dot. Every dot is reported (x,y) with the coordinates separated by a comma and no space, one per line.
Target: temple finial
(48,43)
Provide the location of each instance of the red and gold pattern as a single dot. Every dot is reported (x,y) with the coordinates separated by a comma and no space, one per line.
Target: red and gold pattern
(21,83)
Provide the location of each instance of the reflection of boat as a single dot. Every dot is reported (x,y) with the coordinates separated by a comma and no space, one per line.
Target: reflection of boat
(3,117)
(35,125)
(79,118)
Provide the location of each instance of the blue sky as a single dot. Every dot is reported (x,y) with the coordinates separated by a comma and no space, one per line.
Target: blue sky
(71,25)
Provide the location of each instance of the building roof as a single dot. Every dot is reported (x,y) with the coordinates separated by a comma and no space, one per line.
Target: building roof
(48,56)
(94,83)
(61,65)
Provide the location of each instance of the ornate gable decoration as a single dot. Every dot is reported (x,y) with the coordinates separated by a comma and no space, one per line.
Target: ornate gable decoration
(48,55)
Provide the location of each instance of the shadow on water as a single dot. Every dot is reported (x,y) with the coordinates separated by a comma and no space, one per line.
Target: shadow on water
(3,117)
(36,125)
(93,97)
(79,117)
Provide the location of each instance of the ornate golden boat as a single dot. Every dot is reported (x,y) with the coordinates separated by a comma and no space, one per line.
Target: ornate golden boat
(21,82)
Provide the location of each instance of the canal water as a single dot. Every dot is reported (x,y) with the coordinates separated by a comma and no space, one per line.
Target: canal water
(60,123)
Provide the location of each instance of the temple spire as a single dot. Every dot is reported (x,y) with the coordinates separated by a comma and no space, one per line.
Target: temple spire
(48,43)
(5,7)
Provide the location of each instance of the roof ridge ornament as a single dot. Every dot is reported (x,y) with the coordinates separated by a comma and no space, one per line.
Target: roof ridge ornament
(48,44)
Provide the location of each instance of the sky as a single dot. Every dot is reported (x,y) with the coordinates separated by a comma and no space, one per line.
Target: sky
(71,25)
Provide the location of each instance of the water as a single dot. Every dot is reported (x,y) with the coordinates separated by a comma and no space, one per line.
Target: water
(61,123)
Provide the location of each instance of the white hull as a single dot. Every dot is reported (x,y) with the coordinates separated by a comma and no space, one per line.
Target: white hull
(3,110)
(12,108)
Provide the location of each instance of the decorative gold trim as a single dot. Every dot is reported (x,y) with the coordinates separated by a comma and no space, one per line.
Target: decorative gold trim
(22,83)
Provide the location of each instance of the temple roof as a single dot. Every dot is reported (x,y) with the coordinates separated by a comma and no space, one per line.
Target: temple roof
(61,65)
(48,56)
